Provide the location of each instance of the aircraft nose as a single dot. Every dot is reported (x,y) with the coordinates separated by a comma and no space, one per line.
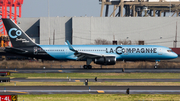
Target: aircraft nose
(174,55)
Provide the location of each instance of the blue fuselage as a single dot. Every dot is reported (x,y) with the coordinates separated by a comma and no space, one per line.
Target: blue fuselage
(121,52)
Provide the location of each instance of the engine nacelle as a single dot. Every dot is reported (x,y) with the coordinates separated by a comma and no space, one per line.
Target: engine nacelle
(110,60)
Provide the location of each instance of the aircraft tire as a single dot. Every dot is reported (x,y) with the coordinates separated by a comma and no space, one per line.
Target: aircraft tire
(155,67)
(85,67)
(89,67)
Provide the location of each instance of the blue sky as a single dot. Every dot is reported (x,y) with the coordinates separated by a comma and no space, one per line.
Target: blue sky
(69,8)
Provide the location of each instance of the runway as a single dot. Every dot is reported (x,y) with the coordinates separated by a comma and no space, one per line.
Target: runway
(90,89)
(73,70)
(93,80)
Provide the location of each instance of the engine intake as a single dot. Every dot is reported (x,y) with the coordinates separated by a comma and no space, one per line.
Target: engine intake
(110,60)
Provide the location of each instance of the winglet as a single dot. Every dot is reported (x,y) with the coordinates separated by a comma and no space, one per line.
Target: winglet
(65,43)
(70,46)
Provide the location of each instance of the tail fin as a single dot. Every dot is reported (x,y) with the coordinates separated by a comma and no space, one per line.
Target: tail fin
(17,36)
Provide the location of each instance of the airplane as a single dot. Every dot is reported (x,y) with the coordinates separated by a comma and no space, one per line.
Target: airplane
(99,54)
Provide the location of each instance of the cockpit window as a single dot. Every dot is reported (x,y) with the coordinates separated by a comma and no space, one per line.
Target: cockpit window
(169,50)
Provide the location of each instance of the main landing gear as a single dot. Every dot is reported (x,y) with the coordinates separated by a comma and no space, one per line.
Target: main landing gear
(88,66)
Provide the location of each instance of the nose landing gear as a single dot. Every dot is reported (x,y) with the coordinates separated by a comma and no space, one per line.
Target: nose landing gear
(156,65)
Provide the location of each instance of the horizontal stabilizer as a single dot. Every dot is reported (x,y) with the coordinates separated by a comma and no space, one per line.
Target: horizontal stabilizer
(15,50)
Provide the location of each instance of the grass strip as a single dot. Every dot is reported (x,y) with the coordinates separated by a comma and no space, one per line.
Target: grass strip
(99,97)
(99,75)
(90,84)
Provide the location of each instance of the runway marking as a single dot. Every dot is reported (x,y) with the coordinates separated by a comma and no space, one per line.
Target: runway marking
(13,71)
(18,92)
(60,70)
(77,80)
(100,91)
(14,81)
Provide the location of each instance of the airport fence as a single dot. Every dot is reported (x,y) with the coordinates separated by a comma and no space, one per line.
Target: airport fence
(27,64)
(51,66)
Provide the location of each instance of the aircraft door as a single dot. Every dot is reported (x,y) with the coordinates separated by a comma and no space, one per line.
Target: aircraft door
(35,50)
(66,51)
(160,51)
(125,51)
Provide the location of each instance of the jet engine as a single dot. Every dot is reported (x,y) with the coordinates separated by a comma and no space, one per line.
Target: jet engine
(110,60)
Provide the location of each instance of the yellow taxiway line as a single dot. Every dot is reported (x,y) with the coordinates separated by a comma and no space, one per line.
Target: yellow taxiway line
(100,91)
(77,80)
(13,71)
(18,92)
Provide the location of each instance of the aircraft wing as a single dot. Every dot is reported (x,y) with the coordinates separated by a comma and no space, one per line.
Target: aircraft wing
(82,54)
(14,50)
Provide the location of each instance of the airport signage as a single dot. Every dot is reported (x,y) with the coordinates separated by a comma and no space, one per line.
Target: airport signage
(8,97)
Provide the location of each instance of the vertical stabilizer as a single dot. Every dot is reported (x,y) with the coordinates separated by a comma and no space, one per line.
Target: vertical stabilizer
(17,36)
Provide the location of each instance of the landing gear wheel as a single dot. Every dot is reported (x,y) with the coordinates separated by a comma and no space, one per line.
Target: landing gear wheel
(89,66)
(85,67)
(155,67)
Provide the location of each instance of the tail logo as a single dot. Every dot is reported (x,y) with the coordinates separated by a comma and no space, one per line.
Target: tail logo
(18,33)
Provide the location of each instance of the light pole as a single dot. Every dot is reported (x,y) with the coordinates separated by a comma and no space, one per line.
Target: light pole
(49,23)
(170,8)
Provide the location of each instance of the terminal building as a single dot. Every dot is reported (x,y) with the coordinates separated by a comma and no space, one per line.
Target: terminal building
(85,30)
